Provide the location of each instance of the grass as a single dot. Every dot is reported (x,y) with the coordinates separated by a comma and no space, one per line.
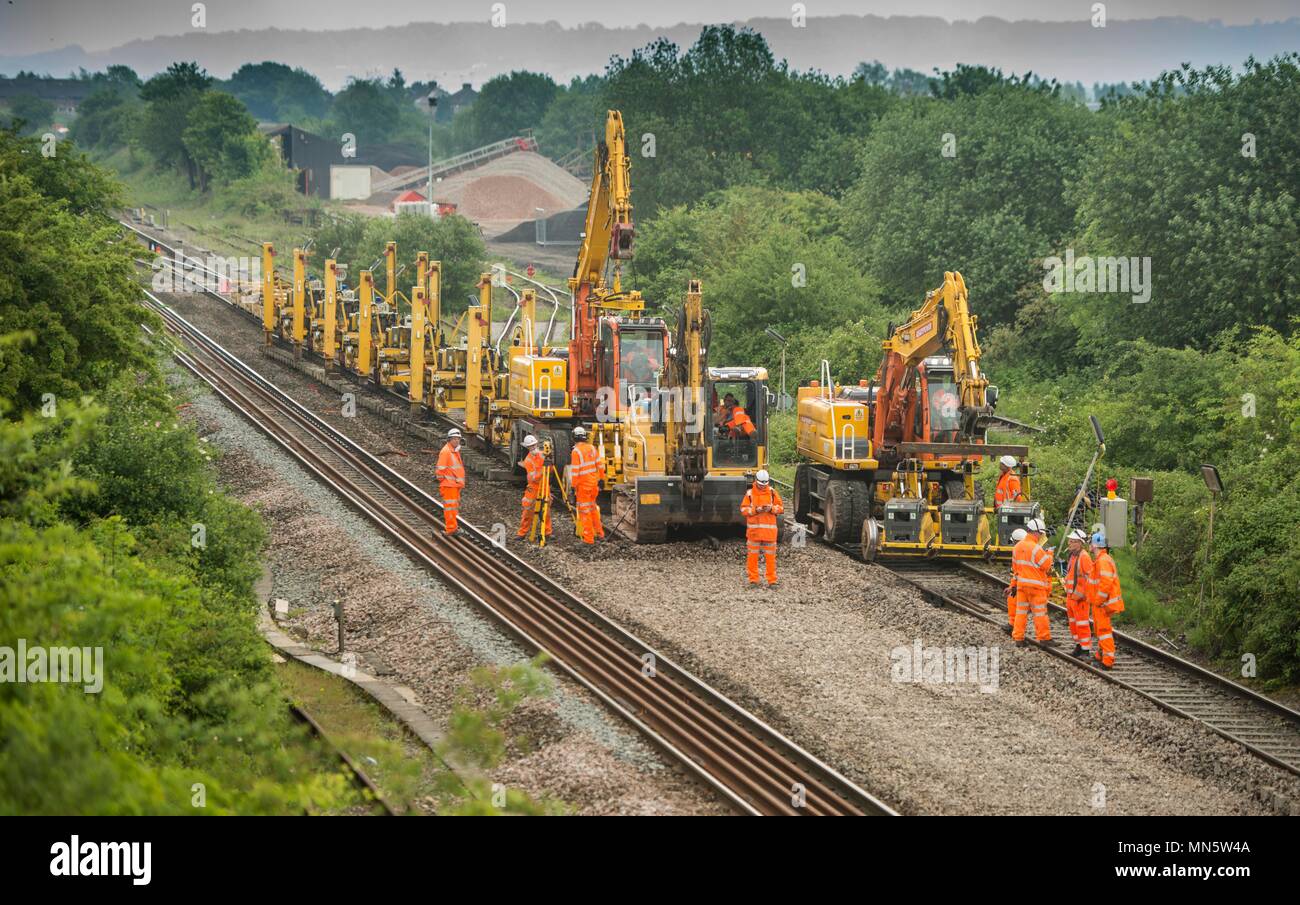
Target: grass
(1141,605)
(400,765)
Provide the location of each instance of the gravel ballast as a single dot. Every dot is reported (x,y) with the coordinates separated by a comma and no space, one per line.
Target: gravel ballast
(819,657)
(401,619)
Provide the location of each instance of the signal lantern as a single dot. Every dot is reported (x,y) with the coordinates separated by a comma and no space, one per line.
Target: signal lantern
(1111,486)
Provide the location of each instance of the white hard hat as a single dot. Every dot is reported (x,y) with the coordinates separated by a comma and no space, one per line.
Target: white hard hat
(530,440)
(579,431)
(1078,534)
(1018,535)
(454,432)
(1008,461)
(762,477)
(1035,525)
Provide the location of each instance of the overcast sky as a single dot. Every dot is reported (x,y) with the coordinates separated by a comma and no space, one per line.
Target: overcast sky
(32,26)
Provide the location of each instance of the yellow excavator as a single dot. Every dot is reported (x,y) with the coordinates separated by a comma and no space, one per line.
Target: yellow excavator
(692,443)
(890,463)
(614,349)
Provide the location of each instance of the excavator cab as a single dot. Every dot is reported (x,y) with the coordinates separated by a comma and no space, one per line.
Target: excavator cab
(739,428)
(640,350)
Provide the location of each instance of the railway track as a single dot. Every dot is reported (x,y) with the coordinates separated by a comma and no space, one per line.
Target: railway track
(369,385)
(1263,726)
(751,764)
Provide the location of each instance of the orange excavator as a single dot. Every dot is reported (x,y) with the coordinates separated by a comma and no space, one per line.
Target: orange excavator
(891,463)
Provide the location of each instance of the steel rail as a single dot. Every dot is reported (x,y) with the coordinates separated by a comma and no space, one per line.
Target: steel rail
(751,764)
(1265,727)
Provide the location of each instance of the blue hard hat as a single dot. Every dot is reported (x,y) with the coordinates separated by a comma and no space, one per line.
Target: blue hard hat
(1099,539)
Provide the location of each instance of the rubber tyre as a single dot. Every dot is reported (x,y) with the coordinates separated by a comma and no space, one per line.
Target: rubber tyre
(839,512)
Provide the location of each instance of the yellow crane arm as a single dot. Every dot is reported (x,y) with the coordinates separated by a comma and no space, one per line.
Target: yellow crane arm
(609,230)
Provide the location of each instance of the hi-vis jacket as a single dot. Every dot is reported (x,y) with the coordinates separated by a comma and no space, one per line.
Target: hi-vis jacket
(1080,578)
(761,525)
(1008,488)
(451,470)
(535,466)
(1107,591)
(584,465)
(1032,566)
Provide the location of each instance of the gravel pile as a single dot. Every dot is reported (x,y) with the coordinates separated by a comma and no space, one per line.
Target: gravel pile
(814,657)
(505,198)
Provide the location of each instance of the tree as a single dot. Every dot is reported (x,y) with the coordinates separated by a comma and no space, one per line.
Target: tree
(366,109)
(507,105)
(275,92)
(223,140)
(573,119)
(107,119)
(765,258)
(58,252)
(35,113)
(973,184)
(727,112)
(1209,154)
(169,97)
(453,240)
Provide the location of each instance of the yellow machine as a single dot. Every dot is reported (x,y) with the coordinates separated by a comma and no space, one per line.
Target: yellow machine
(614,350)
(692,445)
(890,464)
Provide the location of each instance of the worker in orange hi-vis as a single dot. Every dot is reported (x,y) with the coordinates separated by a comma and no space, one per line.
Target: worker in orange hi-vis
(584,473)
(1016,537)
(1032,566)
(739,423)
(1107,601)
(1080,579)
(451,478)
(534,464)
(761,507)
(1008,488)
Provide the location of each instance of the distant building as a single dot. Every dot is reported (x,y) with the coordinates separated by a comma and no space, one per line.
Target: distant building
(456,102)
(312,155)
(307,153)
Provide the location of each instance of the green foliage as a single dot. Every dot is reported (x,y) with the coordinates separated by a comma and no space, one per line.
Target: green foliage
(750,247)
(169,98)
(99,506)
(64,278)
(34,113)
(222,139)
(506,105)
(274,92)
(367,110)
(107,119)
(727,113)
(1221,227)
(573,118)
(453,240)
(993,210)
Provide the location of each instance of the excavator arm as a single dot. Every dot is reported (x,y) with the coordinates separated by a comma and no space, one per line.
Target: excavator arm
(944,321)
(608,238)
(609,231)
